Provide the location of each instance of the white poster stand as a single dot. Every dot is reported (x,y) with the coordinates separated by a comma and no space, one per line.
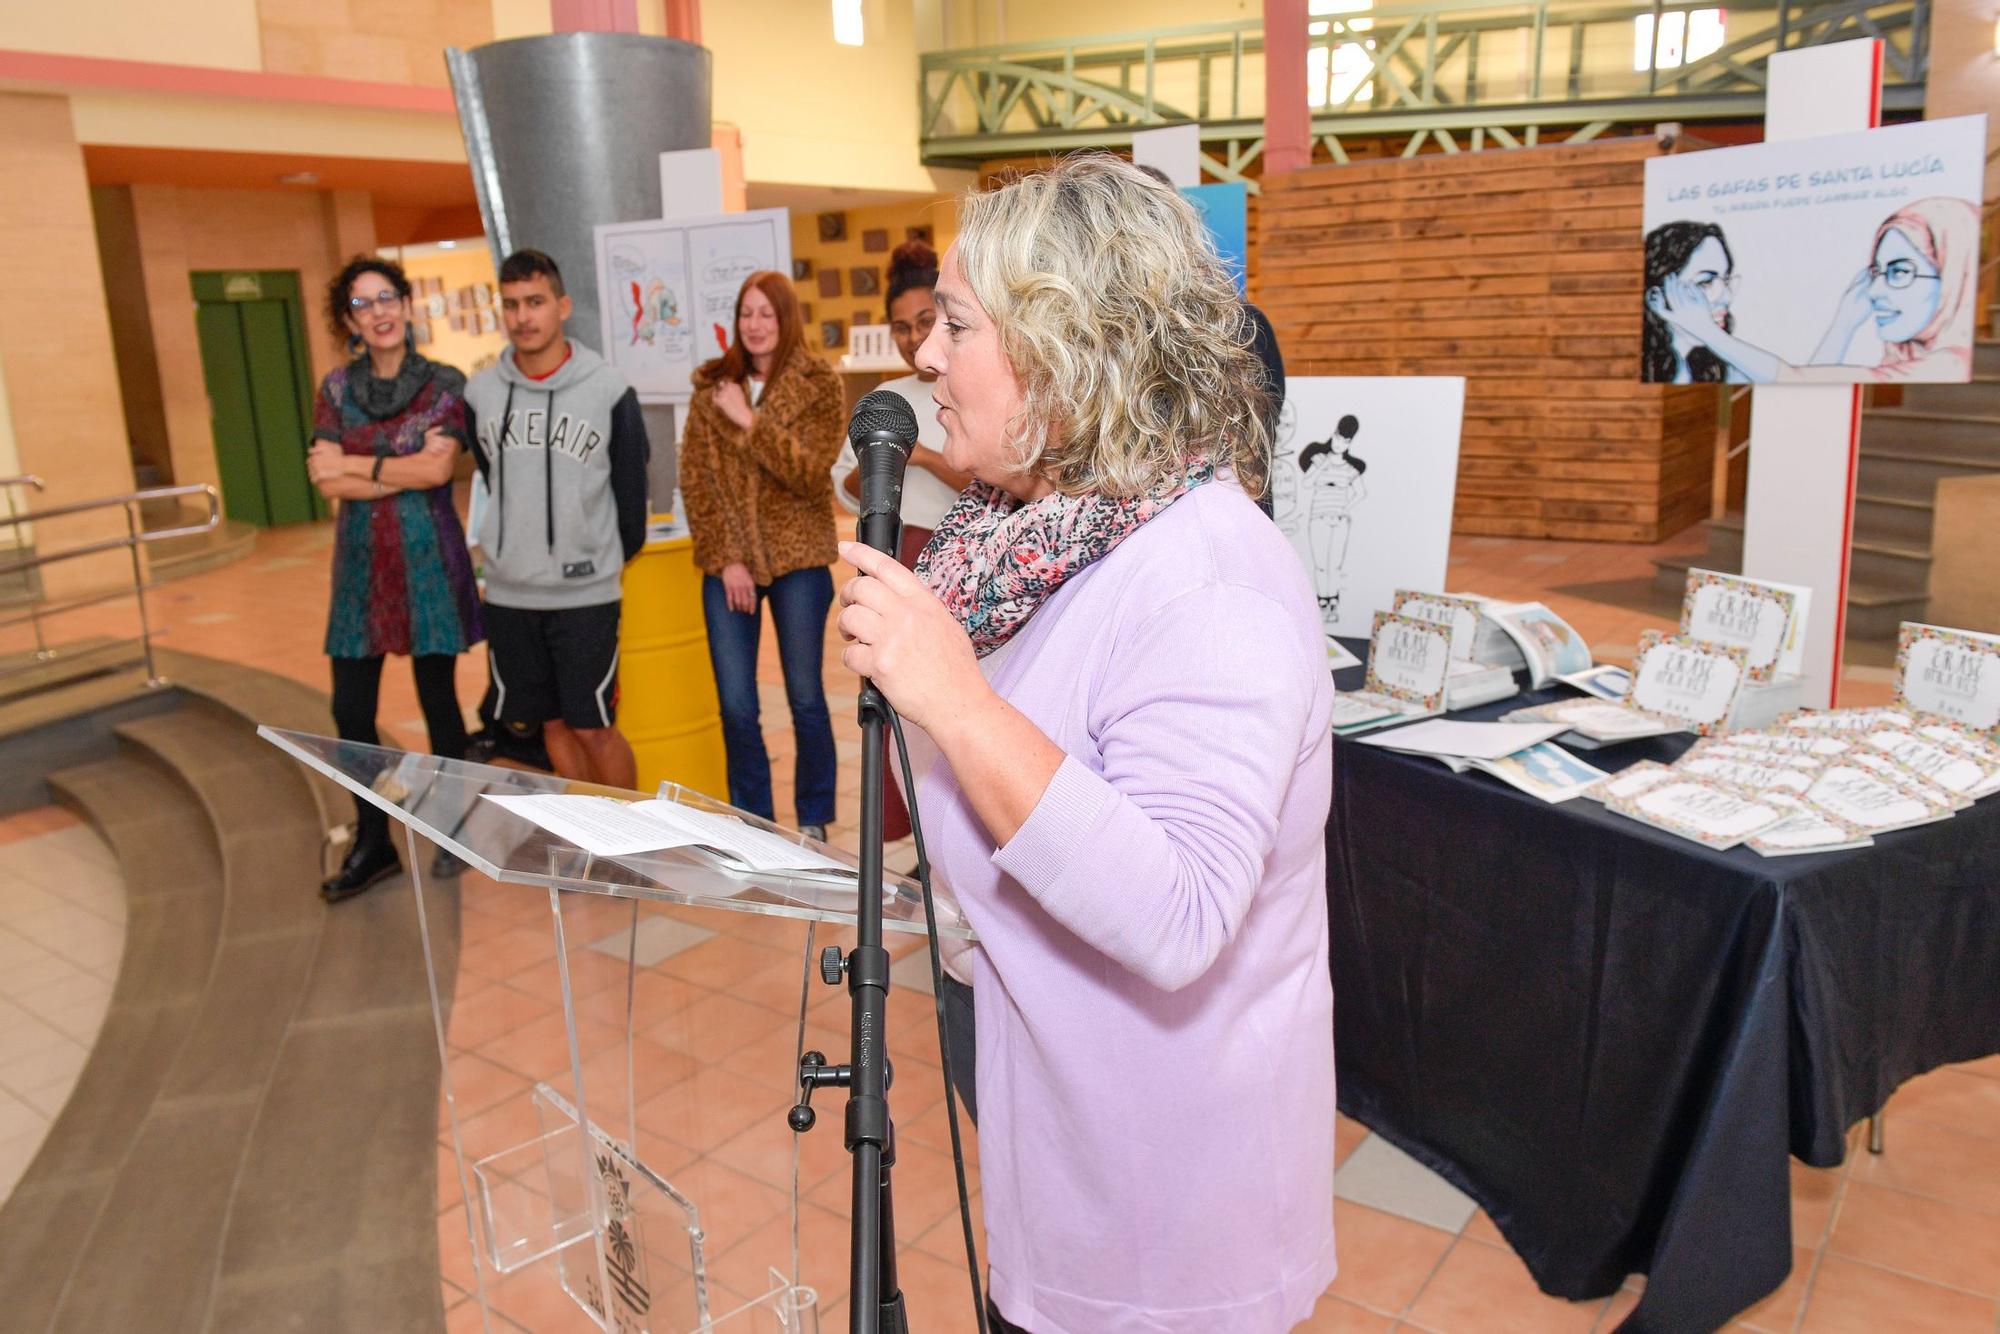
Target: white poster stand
(1805,439)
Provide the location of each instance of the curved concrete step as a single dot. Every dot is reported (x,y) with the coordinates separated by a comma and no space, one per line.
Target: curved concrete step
(254,1140)
(172,870)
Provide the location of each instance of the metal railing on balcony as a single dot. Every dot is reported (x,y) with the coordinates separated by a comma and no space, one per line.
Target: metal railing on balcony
(39,610)
(1453,73)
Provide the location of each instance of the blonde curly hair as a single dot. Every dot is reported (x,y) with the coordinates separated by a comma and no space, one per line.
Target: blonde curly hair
(1122,325)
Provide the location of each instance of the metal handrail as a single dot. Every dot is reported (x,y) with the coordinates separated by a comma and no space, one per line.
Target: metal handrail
(135,537)
(1432,70)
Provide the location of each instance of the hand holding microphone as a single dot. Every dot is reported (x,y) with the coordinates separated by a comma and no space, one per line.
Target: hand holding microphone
(898,634)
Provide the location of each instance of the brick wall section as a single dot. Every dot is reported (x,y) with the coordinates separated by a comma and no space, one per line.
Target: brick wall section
(1520,270)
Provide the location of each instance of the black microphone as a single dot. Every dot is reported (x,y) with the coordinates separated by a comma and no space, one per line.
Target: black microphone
(883,431)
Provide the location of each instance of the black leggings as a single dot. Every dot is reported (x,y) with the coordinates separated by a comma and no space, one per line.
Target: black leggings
(357,690)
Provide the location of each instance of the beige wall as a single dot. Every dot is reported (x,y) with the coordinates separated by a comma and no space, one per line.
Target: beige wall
(467,263)
(179,232)
(813,112)
(55,337)
(1965,72)
(383,41)
(220,34)
(941,216)
(127,301)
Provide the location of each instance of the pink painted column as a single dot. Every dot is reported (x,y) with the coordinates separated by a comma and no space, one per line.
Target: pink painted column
(594,15)
(1287,118)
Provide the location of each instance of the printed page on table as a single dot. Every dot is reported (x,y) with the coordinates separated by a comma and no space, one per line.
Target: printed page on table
(1695,684)
(1458,615)
(1789,741)
(1896,772)
(1699,809)
(1868,800)
(1605,682)
(1763,619)
(1843,722)
(1544,770)
(1967,742)
(1751,776)
(1409,660)
(1630,781)
(1549,644)
(1961,772)
(1953,674)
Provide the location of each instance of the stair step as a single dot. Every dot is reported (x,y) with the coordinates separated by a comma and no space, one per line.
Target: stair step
(1979,396)
(172,870)
(178,557)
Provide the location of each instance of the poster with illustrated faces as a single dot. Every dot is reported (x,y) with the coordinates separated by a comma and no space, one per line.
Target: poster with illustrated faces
(1842,258)
(666,291)
(1364,472)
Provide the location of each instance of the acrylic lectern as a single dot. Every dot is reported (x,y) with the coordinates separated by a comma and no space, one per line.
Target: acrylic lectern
(616,1074)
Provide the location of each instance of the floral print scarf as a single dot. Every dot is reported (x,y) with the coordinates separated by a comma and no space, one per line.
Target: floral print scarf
(994,560)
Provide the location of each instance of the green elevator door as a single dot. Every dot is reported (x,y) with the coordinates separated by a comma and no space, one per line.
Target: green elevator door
(253,357)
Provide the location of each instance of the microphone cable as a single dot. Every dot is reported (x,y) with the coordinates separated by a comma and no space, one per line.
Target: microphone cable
(923,874)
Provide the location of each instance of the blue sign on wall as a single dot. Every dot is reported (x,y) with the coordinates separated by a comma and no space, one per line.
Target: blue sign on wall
(1225,207)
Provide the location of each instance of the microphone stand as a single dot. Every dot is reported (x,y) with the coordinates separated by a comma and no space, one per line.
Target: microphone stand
(875,1299)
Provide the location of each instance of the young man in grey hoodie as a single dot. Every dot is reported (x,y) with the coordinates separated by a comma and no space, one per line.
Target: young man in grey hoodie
(558,437)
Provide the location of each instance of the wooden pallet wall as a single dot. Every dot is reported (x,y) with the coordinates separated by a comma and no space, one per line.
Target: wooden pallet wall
(1519,269)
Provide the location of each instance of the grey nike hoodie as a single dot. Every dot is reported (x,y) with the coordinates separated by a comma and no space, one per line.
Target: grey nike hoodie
(564,460)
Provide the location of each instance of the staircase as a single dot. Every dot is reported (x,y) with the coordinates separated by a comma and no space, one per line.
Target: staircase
(252,1143)
(1938,431)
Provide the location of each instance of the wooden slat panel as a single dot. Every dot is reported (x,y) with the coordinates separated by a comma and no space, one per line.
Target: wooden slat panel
(1520,270)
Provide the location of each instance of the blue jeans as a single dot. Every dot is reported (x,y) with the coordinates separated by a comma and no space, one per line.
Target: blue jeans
(799,605)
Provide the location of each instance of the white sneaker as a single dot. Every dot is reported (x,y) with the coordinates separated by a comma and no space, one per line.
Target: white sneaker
(814,831)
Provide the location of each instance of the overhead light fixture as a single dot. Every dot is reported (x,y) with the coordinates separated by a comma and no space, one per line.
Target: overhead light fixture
(847,28)
(299,178)
(447,245)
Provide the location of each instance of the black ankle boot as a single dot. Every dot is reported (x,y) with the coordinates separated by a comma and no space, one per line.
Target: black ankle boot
(368,864)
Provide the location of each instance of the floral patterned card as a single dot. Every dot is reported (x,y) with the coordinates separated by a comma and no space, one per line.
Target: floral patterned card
(1843,722)
(1629,781)
(1786,741)
(1951,674)
(1869,800)
(1957,771)
(1751,776)
(1897,772)
(1458,615)
(1700,809)
(1409,660)
(1687,681)
(1765,620)
(1967,742)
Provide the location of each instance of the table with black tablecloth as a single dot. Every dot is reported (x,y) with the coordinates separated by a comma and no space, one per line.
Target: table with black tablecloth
(1613,1038)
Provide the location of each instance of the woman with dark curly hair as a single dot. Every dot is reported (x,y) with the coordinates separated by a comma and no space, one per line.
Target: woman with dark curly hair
(387,428)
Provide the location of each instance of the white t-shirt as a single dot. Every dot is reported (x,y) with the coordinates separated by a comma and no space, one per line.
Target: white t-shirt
(925,498)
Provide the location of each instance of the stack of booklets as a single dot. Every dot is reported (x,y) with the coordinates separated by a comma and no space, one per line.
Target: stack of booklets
(1472,679)
(1518,754)
(1409,663)
(1814,782)
(1677,683)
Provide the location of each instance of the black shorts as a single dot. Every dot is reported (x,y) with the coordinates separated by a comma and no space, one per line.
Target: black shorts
(557,664)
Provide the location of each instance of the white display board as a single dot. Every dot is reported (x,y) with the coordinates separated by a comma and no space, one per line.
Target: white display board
(1834,258)
(667,291)
(1363,477)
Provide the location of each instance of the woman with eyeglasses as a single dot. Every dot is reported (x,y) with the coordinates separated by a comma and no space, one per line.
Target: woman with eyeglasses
(387,428)
(1918,290)
(1695,254)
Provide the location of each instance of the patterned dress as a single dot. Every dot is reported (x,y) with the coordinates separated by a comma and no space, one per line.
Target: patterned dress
(402,578)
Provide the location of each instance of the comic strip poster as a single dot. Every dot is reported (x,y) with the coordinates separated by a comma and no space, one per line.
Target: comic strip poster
(1836,259)
(1364,472)
(667,291)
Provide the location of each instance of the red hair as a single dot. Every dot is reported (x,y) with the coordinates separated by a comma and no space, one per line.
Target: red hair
(734,364)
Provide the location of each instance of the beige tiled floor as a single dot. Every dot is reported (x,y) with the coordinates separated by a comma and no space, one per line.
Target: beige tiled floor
(1907,1241)
(62,934)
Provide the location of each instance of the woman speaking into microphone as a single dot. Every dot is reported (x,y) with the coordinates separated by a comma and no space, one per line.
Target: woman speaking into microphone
(1119,663)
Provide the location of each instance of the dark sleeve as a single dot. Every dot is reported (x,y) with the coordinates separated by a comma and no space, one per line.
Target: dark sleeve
(456,420)
(471,443)
(326,413)
(1264,342)
(630,451)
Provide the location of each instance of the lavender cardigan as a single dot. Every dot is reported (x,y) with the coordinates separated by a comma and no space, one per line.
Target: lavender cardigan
(1155,1018)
